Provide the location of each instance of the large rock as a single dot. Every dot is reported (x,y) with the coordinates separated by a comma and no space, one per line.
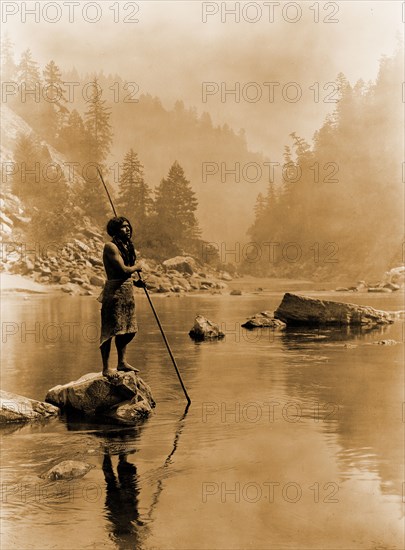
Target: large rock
(264,319)
(224,276)
(16,408)
(67,469)
(92,233)
(183,264)
(125,399)
(204,329)
(301,310)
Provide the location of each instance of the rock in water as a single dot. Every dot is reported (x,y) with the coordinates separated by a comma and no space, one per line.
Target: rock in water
(264,319)
(95,395)
(392,286)
(16,408)
(68,469)
(204,329)
(380,289)
(301,310)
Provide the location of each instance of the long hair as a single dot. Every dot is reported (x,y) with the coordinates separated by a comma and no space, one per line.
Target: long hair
(126,247)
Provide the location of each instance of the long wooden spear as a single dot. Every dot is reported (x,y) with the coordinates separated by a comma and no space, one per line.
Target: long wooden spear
(151,304)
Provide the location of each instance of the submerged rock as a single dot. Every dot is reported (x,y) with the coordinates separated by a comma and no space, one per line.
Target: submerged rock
(68,469)
(16,408)
(236,292)
(126,398)
(262,320)
(204,329)
(301,310)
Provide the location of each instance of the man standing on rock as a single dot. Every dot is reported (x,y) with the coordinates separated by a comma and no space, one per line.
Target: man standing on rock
(118,317)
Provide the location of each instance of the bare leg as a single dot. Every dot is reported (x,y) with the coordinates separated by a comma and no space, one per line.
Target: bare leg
(121,342)
(105,349)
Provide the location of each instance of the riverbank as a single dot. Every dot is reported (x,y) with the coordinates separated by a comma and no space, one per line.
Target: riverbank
(76,268)
(11,283)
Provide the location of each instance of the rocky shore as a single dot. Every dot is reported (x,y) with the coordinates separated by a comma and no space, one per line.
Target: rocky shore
(76,268)
(392,280)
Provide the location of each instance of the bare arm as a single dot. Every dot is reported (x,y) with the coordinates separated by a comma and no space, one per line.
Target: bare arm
(113,262)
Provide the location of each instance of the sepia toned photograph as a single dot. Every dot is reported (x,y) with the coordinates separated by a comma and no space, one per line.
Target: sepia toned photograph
(202,275)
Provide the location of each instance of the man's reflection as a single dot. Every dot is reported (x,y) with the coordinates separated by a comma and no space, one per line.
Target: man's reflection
(121,502)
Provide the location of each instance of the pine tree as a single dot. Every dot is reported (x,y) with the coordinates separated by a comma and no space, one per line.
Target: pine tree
(73,138)
(27,158)
(175,206)
(53,78)
(134,193)
(97,123)
(29,105)
(260,207)
(259,211)
(99,139)
(54,111)
(28,71)
(8,66)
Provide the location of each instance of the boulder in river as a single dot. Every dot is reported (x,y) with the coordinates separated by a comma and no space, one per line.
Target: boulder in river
(205,329)
(302,310)
(264,319)
(125,399)
(67,469)
(392,286)
(16,408)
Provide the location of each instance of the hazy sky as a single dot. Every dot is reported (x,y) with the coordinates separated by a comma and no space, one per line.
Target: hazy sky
(171,52)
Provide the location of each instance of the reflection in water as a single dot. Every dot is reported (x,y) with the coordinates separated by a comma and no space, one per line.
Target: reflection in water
(298,335)
(128,529)
(358,390)
(337,419)
(121,501)
(167,462)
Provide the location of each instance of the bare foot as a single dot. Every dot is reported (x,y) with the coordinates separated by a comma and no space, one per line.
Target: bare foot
(126,367)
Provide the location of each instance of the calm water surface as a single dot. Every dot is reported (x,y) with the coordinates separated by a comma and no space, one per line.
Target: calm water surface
(294,439)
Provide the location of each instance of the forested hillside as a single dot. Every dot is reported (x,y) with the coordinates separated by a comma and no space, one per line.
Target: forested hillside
(99,118)
(332,206)
(340,202)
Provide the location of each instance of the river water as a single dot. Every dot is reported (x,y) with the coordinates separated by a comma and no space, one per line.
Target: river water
(294,439)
